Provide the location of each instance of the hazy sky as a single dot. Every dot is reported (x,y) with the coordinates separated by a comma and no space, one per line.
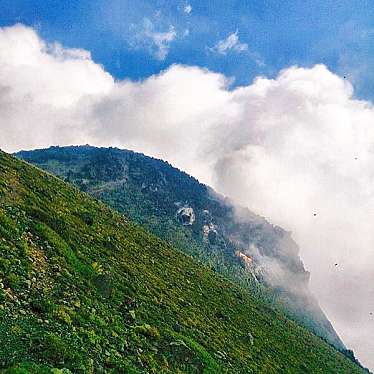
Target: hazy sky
(291,137)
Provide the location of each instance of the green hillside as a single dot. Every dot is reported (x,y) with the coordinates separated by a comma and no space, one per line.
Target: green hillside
(83,288)
(154,194)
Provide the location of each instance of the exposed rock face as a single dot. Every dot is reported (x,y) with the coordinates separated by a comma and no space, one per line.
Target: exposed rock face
(186,216)
(245,258)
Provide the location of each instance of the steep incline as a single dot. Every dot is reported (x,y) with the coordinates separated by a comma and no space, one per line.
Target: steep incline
(177,208)
(83,288)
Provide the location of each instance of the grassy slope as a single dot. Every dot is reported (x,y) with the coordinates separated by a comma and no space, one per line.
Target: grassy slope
(147,190)
(83,288)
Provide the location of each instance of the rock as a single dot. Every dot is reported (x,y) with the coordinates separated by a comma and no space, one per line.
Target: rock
(210,234)
(177,327)
(186,216)
(250,338)
(247,260)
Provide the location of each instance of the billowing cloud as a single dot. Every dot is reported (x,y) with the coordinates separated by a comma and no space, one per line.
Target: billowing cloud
(298,149)
(40,84)
(231,43)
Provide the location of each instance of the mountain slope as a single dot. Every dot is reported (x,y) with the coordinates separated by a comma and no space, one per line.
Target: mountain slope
(85,289)
(177,208)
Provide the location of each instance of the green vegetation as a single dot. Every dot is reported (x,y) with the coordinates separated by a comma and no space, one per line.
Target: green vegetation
(150,192)
(85,290)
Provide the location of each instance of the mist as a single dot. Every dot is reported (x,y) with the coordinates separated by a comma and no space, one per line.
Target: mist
(297,149)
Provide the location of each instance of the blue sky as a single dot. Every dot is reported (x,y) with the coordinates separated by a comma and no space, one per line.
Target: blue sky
(122,35)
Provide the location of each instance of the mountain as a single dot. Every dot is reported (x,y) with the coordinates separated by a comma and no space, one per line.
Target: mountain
(85,290)
(174,206)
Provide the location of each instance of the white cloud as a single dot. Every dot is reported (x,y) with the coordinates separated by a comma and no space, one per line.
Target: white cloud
(231,43)
(288,147)
(39,86)
(68,74)
(187,9)
(157,41)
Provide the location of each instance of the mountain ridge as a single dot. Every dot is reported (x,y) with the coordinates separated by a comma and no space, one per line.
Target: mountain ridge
(233,240)
(84,289)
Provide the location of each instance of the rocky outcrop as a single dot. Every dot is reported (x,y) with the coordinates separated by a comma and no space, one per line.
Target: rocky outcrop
(186,216)
(247,260)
